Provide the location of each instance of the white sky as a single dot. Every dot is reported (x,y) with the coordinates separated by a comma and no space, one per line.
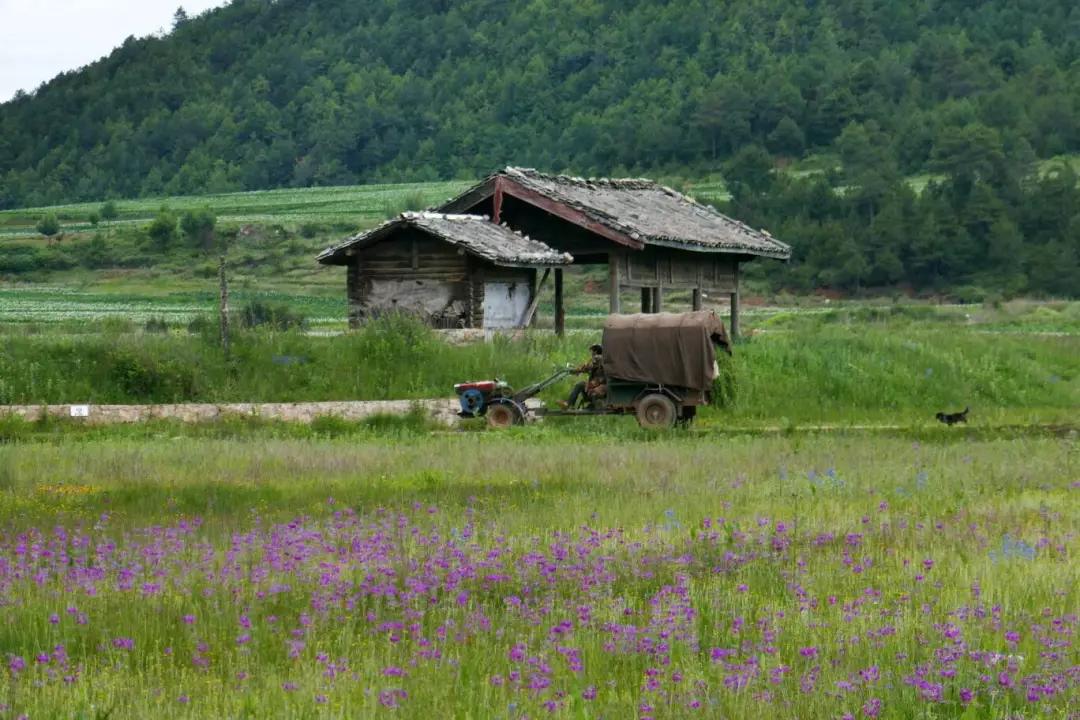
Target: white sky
(39,39)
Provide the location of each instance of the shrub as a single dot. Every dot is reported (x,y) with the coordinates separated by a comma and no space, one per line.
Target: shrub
(198,227)
(48,225)
(162,230)
(156,325)
(109,211)
(277,316)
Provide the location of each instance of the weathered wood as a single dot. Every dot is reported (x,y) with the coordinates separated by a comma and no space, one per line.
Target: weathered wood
(531,310)
(735,315)
(735,307)
(560,309)
(658,299)
(569,214)
(646,299)
(696,299)
(613,281)
(497,201)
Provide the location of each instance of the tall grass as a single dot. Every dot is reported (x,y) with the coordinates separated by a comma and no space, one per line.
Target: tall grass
(479,576)
(805,371)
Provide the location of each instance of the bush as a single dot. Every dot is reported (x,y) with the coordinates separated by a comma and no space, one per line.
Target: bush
(109,211)
(162,230)
(156,325)
(198,227)
(48,225)
(724,385)
(141,377)
(309,230)
(969,294)
(277,316)
(95,254)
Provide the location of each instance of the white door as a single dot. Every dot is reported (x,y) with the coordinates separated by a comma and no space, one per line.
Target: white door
(505,304)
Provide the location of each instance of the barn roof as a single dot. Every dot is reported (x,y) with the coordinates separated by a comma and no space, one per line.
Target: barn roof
(474,233)
(644,211)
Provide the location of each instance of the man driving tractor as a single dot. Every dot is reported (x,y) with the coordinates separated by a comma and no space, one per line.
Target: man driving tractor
(595,386)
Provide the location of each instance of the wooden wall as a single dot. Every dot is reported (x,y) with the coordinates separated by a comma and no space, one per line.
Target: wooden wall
(410,272)
(414,273)
(670,268)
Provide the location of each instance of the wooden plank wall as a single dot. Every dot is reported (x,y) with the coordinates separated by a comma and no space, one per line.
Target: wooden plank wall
(658,267)
(411,272)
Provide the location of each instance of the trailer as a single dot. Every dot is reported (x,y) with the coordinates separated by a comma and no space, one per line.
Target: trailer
(659,367)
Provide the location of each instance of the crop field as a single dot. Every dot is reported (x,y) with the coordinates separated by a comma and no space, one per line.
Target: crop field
(351,206)
(87,309)
(560,575)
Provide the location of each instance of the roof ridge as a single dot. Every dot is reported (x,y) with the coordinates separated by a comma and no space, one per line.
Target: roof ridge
(431,215)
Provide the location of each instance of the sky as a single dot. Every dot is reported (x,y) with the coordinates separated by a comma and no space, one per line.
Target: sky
(39,39)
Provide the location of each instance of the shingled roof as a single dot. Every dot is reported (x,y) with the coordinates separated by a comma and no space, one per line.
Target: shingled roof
(475,233)
(642,210)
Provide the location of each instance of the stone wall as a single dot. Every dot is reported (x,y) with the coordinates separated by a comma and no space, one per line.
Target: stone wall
(443,411)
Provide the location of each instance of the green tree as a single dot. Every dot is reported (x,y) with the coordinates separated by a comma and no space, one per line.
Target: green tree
(198,228)
(109,211)
(162,230)
(787,138)
(751,169)
(48,225)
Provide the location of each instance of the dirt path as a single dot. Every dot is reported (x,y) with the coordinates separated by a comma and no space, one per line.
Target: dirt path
(443,411)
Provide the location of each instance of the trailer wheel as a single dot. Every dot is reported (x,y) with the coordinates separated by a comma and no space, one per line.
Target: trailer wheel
(655,412)
(504,413)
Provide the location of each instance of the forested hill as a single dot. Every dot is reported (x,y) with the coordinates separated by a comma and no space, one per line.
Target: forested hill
(266,93)
(297,92)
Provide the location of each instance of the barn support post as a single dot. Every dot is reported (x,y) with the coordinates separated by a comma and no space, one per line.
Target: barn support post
(658,299)
(695,299)
(614,283)
(735,307)
(530,312)
(560,309)
(735,315)
(646,300)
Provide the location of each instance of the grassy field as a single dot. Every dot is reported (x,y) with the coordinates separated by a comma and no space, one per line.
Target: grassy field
(865,364)
(888,567)
(576,575)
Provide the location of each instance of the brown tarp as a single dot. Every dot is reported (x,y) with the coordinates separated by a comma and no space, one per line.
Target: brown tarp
(665,348)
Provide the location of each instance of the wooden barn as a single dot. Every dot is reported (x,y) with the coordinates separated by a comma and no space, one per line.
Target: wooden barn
(454,271)
(651,237)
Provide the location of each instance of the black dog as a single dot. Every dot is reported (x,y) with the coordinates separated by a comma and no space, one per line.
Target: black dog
(953,418)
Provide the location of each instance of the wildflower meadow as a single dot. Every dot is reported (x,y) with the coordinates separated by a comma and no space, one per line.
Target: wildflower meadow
(554,575)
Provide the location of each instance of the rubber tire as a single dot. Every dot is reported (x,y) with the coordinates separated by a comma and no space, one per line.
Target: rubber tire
(656,412)
(504,413)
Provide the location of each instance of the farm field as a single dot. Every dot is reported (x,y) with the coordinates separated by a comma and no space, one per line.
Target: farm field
(584,574)
(351,206)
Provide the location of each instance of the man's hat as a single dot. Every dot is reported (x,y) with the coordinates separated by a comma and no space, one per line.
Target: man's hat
(599,349)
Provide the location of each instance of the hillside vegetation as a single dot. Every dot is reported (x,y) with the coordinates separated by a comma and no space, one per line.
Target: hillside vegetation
(855,97)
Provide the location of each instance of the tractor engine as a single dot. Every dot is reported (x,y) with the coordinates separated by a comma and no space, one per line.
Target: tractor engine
(476,396)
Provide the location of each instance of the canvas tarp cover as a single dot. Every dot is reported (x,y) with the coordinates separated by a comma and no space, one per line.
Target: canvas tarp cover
(665,348)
